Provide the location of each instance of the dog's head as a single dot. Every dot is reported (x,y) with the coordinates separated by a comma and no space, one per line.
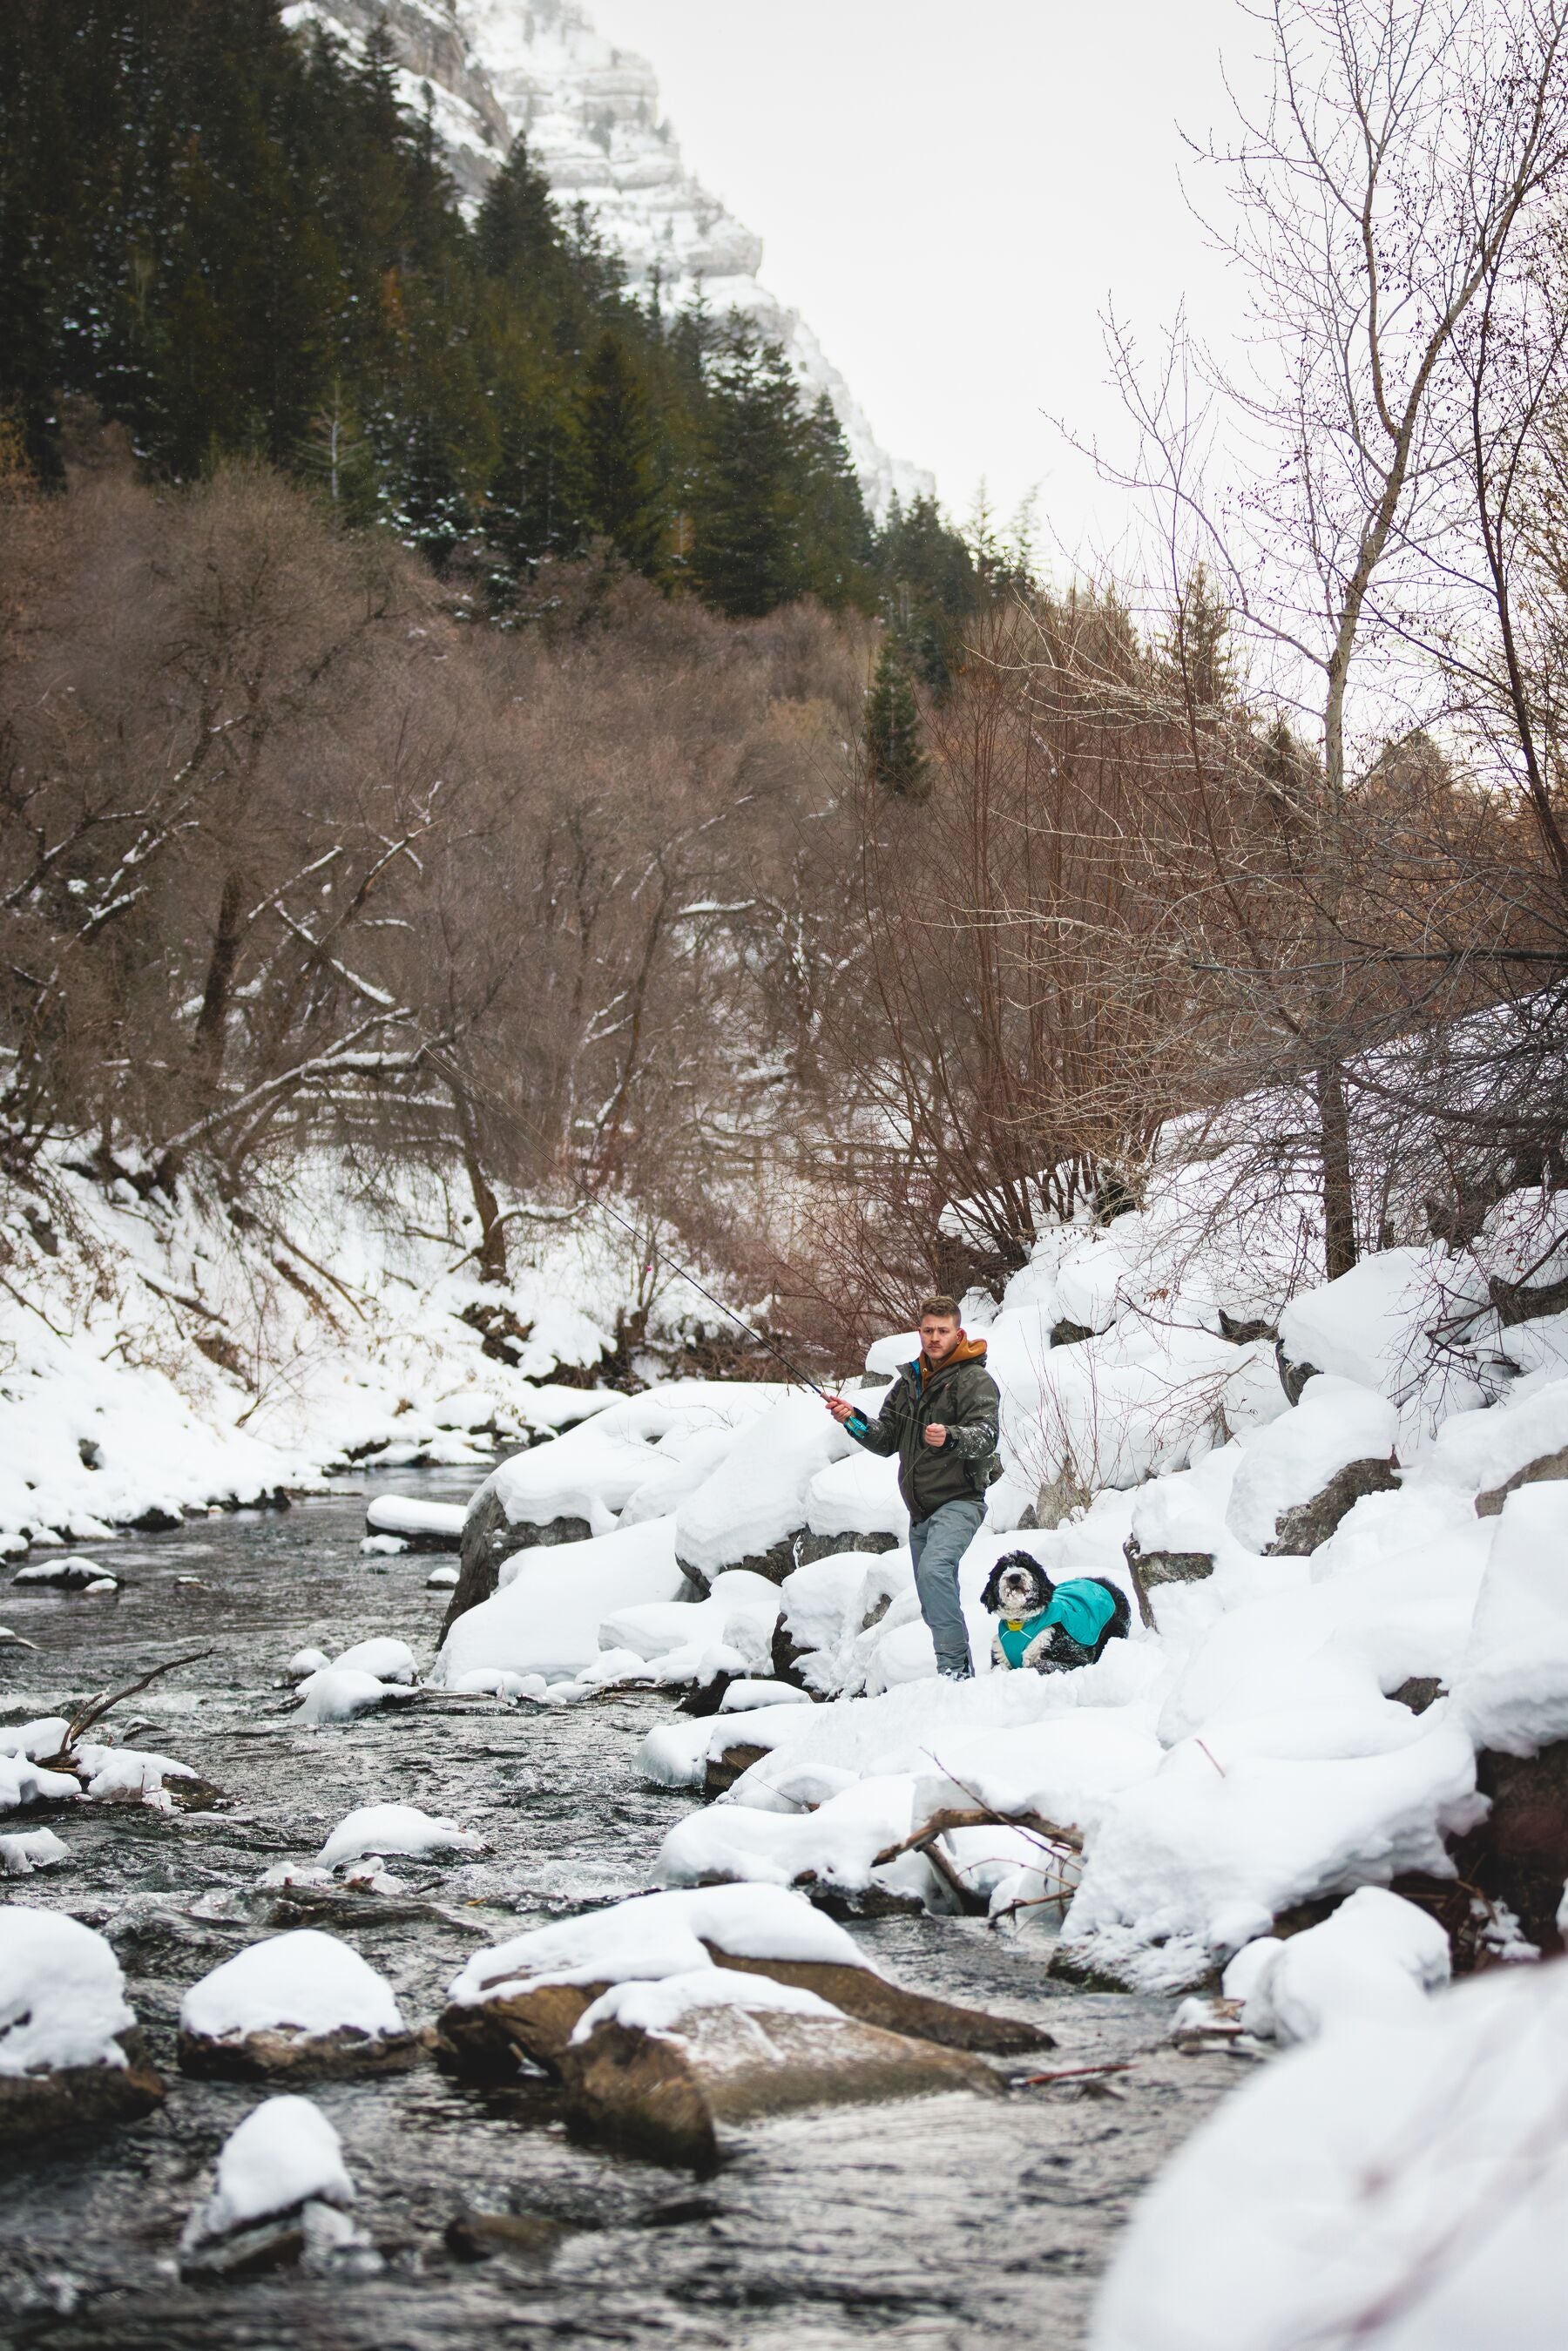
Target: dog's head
(1017,1586)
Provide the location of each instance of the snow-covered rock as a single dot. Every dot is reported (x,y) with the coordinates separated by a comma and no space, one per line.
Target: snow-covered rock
(394,1828)
(545,1617)
(1399,2183)
(302,2003)
(1379,1326)
(1511,1685)
(419,1525)
(747,1512)
(31,1849)
(339,1693)
(1521,1440)
(284,2154)
(70,2051)
(386,1660)
(1376,1956)
(1300,1474)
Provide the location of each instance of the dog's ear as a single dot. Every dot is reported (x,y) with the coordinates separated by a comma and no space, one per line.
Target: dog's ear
(989,1597)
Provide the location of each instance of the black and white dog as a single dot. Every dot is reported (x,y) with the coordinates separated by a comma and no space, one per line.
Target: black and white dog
(1019,1593)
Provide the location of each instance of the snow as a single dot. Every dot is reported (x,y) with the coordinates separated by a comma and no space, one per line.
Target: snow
(665,1440)
(758,1492)
(859,1496)
(337,1693)
(62,1995)
(23,1782)
(394,1828)
(659,1935)
(1196,1860)
(659,2008)
(1512,1687)
(1479,1451)
(1378,1327)
(386,1660)
(1293,1458)
(742,1696)
(739,1614)
(838,1842)
(118,1775)
(31,1849)
(545,1619)
(404,1514)
(304,1981)
(283,2154)
(1399,2183)
(1374,1958)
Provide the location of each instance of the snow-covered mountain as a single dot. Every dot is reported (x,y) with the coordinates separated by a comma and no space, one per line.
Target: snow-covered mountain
(592,116)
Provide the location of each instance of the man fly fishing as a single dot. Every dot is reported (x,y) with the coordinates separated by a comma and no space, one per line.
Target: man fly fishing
(940,1417)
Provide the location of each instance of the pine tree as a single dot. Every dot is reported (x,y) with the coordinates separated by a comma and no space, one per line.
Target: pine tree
(893,727)
(519,230)
(622,496)
(746,556)
(836,530)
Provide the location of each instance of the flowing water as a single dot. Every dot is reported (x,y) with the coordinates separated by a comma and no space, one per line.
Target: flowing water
(951,2221)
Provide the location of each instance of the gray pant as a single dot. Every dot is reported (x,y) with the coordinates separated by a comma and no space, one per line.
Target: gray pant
(938,1543)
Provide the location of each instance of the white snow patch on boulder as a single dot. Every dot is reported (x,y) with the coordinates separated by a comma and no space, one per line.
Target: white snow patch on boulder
(1376,1957)
(394,1828)
(62,1994)
(284,2153)
(1512,1687)
(1293,1458)
(545,1617)
(304,1981)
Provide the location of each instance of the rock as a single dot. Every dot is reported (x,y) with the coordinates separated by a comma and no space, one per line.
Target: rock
(280,2188)
(302,2005)
(809,1547)
(441,1579)
(776,1562)
(1293,1377)
(534,2023)
(1302,1528)
(1070,1334)
(1543,1470)
(871,1999)
(1519,1855)
(81,2097)
(489,1538)
(417,1524)
(72,1573)
(1242,1334)
(665,2092)
(724,1769)
(1156,1567)
(531,2237)
(1523,1302)
(1419,1693)
(71,2056)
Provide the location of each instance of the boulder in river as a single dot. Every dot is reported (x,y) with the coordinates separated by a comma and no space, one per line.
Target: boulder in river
(279,2198)
(71,2056)
(302,2005)
(521,2001)
(660,2068)
(419,1525)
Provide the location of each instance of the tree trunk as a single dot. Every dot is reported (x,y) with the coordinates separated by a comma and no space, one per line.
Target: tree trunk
(492,1249)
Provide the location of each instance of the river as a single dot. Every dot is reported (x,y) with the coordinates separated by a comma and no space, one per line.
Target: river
(949,2222)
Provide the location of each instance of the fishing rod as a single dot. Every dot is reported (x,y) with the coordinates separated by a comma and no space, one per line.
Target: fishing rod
(652,1245)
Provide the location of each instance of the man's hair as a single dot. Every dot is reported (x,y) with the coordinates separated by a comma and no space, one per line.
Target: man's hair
(947,1308)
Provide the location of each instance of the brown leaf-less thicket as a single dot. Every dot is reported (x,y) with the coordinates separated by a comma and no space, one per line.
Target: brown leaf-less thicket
(287,850)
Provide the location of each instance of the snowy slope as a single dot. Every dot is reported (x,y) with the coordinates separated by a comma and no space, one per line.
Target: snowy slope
(592,116)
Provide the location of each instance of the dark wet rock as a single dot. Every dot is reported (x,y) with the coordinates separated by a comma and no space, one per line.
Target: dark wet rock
(1519,1855)
(724,1769)
(1419,1692)
(532,2237)
(706,1698)
(1244,1333)
(776,1562)
(1293,1377)
(313,2235)
(277,2054)
(811,1547)
(1156,1567)
(1305,1525)
(1070,1334)
(490,2040)
(668,2094)
(1522,1301)
(81,2097)
(1542,1470)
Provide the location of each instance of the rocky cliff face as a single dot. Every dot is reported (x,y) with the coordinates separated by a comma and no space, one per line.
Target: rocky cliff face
(592,116)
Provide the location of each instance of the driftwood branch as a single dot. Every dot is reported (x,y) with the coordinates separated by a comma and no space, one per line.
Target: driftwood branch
(88,1716)
(980,1816)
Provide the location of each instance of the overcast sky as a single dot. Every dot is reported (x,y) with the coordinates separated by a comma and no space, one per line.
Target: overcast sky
(950,190)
